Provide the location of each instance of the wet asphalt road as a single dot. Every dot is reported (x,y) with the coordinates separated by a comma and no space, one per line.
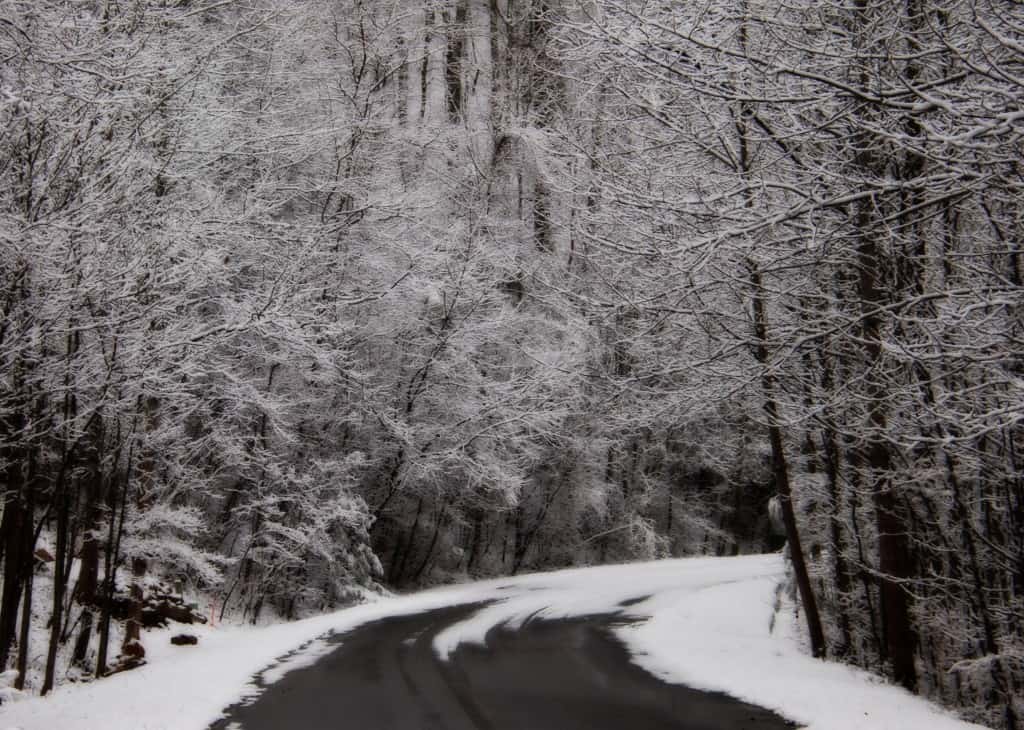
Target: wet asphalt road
(549,675)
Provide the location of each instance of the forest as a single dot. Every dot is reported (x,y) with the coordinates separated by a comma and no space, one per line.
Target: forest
(301,299)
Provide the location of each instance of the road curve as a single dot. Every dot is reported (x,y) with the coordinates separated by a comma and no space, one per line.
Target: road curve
(549,675)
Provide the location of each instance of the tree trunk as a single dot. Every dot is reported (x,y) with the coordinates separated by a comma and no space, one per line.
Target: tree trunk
(88,575)
(479,80)
(28,550)
(894,560)
(115,531)
(15,526)
(435,94)
(438,522)
(780,470)
(59,586)
(832,464)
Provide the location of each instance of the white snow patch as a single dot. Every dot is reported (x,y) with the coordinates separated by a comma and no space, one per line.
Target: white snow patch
(702,622)
(718,638)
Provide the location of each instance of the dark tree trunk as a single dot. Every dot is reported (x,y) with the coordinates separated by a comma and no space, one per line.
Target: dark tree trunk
(115,530)
(438,523)
(88,575)
(780,470)
(15,528)
(840,569)
(16,524)
(133,627)
(895,564)
(25,636)
(59,586)
(29,536)
(398,563)
(475,541)
(454,62)
(894,560)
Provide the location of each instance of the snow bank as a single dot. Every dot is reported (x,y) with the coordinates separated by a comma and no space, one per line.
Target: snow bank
(186,688)
(702,622)
(718,638)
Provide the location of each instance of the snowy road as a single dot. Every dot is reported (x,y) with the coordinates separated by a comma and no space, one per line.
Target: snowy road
(546,675)
(714,624)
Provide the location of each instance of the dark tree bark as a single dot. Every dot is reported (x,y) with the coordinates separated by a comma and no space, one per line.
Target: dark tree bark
(780,470)
(62,509)
(15,527)
(88,575)
(30,536)
(115,531)
(894,558)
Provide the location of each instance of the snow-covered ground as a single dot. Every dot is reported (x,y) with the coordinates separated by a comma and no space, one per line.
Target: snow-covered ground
(710,623)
